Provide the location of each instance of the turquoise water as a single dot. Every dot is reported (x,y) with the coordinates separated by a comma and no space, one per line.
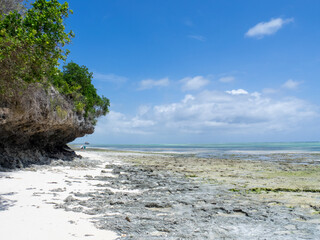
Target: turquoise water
(293,152)
(284,147)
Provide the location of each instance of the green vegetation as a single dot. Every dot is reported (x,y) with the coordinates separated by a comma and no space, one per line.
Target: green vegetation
(191,175)
(75,82)
(234,190)
(276,190)
(294,173)
(32,42)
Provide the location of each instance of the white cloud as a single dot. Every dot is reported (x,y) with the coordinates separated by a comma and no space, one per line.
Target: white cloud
(109,78)
(256,94)
(151,83)
(188,98)
(267,28)
(237,92)
(198,37)
(226,79)
(213,113)
(269,90)
(291,84)
(119,123)
(250,112)
(194,83)
(143,109)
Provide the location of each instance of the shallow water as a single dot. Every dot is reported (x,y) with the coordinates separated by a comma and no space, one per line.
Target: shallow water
(293,152)
(233,147)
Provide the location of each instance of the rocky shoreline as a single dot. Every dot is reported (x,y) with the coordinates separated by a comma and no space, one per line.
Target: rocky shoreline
(155,196)
(158,204)
(15,157)
(36,128)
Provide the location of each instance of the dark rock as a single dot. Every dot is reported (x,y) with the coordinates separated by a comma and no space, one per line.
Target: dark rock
(36,128)
(157,205)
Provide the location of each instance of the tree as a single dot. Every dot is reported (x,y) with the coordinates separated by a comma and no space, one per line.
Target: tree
(32,45)
(76,82)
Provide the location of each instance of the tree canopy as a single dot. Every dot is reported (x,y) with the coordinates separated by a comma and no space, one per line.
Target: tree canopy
(75,82)
(31,45)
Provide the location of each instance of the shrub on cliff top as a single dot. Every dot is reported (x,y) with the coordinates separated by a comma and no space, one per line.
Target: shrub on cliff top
(75,82)
(31,45)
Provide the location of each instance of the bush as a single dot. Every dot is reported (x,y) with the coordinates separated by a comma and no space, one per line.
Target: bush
(75,82)
(31,46)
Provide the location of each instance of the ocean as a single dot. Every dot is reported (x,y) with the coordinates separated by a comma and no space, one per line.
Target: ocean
(269,147)
(300,152)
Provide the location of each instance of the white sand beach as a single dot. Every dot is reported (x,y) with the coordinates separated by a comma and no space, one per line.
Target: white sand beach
(129,195)
(28,198)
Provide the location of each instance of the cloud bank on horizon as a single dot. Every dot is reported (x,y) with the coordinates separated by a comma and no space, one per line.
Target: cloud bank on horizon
(211,112)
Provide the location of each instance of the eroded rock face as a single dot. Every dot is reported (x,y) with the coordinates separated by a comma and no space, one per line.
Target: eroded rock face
(38,126)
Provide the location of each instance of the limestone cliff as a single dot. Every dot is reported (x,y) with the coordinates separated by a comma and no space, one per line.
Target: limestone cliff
(36,126)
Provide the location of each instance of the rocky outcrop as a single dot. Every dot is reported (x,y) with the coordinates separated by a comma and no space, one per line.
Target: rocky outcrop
(36,126)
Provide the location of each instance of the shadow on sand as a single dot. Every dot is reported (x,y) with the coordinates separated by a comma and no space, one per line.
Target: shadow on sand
(5,203)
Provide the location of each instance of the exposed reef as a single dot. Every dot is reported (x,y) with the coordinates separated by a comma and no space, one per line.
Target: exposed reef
(36,123)
(154,199)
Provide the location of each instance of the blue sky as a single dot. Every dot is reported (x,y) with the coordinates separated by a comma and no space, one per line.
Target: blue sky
(187,71)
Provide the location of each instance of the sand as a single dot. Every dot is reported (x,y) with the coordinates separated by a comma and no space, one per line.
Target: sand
(110,194)
(28,198)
